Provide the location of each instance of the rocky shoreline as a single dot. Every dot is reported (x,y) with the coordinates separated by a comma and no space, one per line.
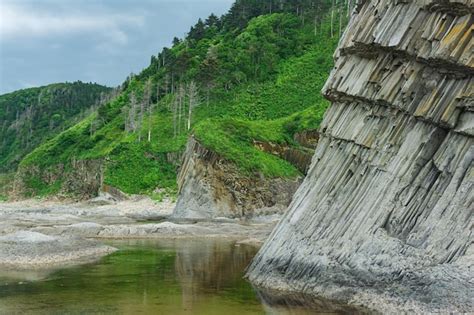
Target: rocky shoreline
(385,213)
(32,250)
(43,234)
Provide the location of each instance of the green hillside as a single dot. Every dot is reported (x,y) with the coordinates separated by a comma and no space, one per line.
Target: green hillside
(253,74)
(31,116)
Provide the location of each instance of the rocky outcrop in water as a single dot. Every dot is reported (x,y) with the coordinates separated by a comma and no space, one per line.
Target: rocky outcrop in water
(211,187)
(384,217)
(32,250)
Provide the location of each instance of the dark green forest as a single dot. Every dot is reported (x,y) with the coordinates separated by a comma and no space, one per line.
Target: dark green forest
(31,116)
(255,73)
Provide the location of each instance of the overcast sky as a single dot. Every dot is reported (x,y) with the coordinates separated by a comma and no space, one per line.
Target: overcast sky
(47,41)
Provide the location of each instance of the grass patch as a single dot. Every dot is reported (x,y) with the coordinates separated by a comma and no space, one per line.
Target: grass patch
(136,169)
(42,189)
(233,139)
(269,108)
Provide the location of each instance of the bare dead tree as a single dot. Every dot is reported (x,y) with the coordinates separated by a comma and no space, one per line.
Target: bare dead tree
(140,120)
(167,82)
(144,107)
(150,111)
(92,128)
(174,107)
(332,18)
(341,10)
(172,83)
(181,103)
(132,113)
(193,100)
(29,114)
(125,113)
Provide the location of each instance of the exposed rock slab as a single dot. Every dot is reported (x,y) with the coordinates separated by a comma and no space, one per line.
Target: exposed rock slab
(385,213)
(32,250)
(49,221)
(211,187)
(254,233)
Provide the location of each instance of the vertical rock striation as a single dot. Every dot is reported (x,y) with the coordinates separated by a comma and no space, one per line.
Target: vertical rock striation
(211,187)
(387,207)
(81,179)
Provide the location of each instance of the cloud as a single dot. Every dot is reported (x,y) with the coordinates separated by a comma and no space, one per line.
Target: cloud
(46,41)
(22,21)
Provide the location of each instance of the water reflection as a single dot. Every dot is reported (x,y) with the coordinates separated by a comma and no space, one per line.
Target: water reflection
(301,304)
(148,277)
(24,275)
(153,277)
(212,267)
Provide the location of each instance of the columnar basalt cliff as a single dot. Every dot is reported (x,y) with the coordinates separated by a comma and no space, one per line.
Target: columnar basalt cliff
(210,187)
(387,207)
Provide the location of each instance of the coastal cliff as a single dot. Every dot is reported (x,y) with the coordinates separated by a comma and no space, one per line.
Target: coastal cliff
(386,209)
(211,187)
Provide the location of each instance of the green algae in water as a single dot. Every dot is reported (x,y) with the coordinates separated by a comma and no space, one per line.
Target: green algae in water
(155,277)
(144,277)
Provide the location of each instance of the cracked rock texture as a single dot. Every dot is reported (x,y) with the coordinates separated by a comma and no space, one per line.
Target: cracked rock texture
(83,181)
(384,217)
(33,250)
(211,187)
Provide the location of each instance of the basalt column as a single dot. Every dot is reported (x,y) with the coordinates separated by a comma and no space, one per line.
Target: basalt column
(384,217)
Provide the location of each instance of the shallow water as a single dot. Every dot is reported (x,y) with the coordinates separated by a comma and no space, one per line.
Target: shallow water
(146,277)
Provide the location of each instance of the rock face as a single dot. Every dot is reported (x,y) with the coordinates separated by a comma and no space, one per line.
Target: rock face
(83,179)
(386,209)
(211,187)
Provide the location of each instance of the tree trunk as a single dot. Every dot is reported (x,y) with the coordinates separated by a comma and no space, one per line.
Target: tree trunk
(340,20)
(149,122)
(332,19)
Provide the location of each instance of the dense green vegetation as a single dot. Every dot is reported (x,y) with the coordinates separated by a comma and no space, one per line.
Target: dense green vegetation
(233,139)
(253,74)
(30,116)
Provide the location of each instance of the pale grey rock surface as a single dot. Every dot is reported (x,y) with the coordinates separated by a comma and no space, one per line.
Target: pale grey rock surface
(33,250)
(103,199)
(384,217)
(26,237)
(45,235)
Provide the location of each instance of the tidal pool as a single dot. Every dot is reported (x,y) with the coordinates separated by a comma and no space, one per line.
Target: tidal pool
(146,277)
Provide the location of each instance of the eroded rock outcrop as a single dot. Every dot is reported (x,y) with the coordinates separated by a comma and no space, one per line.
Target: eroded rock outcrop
(32,250)
(386,209)
(211,187)
(81,179)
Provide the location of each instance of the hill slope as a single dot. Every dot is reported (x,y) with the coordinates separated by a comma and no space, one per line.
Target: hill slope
(30,116)
(231,81)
